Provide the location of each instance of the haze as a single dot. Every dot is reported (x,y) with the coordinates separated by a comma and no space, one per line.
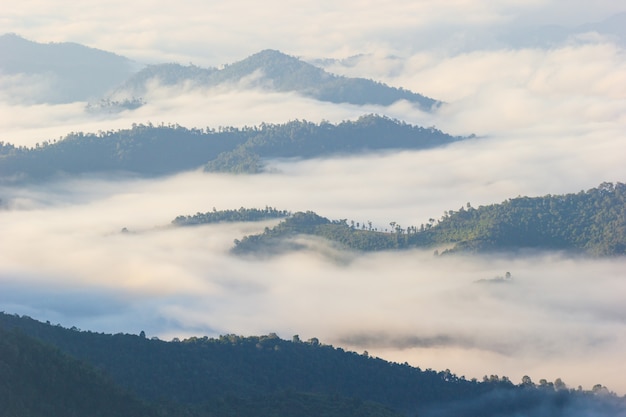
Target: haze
(550,119)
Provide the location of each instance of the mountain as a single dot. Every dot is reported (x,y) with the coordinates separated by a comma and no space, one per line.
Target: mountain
(158,150)
(266,375)
(68,72)
(225,216)
(59,72)
(37,380)
(272,70)
(591,222)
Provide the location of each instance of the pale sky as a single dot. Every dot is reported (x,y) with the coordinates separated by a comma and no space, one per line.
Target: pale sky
(218,32)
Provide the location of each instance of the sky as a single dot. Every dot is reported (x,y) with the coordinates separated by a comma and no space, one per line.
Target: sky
(549,120)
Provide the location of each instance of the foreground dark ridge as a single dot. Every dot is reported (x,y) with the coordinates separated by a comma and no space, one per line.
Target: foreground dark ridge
(592,222)
(213,377)
(159,150)
(37,380)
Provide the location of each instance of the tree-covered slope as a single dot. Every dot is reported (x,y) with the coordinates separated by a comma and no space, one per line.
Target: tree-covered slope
(225,216)
(301,139)
(592,222)
(272,70)
(268,376)
(156,150)
(37,380)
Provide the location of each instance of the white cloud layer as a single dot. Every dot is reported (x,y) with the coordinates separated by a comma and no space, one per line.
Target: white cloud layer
(214,33)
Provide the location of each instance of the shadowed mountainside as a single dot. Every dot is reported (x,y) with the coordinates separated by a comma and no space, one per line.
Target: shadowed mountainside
(37,380)
(223,376)
(158,150)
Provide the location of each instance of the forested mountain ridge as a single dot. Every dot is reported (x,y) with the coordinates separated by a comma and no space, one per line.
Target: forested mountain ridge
(37,380)
(158,150)
(266,375)
(301,139)
(591,222)
(222,216)
(275,71)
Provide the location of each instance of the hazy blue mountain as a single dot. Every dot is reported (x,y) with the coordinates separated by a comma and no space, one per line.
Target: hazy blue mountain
(276,71)
(60,72)
(158,150)
(66,72)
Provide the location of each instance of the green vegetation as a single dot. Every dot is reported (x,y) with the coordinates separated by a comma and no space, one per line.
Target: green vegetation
(592,222)
(166,149)
(257,375)
(222,216)
(37,380)
(302,139)
(270,69)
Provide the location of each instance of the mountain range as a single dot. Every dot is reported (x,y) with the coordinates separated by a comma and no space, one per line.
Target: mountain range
(66,72)
(591,222)
(158,150)
(59,72)
(255,375)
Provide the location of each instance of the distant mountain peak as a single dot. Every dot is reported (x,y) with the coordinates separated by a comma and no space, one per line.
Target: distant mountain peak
(281,72)
(67,71)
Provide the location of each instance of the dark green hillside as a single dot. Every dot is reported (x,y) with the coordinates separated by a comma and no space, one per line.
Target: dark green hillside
(272,70)
(267,376)
(158,150)
(280,237)
(200,370)
(145,150)
(39,381)
(223,216)
(294,404)
(301,139)
(591,222)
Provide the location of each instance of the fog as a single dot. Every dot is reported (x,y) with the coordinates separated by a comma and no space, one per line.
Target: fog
(64,259)
(548,121)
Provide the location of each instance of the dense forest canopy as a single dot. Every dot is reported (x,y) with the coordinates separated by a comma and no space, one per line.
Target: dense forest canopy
(37,380)
(591,222)
(166,149)
(266,375)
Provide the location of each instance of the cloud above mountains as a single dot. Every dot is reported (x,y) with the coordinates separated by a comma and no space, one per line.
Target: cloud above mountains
(215,33)
(66,260)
